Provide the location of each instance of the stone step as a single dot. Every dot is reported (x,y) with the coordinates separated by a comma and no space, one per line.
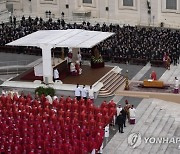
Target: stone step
(119,138)
(145,119)
(156,133)
(162,149)
(107,77)
(174,147)
(148,128)
(109,94)
(116,84)
(163,133)
(123,146)
(172,151)
(110,81)
(112,87)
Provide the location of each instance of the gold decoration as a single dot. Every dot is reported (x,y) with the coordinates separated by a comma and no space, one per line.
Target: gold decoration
(127,81)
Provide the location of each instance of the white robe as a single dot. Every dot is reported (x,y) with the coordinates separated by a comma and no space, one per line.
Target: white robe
(177,84)
(119,109)
(56,74)
(132,113)
(91,93)
(79,57)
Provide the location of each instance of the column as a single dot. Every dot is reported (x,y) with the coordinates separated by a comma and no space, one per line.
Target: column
(74,52)
(47,63)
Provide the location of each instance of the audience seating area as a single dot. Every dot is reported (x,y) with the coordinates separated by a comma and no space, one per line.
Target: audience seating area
(132,44)
(65,126)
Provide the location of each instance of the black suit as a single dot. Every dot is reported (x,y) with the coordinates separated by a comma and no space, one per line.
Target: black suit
(120,122)
(124,114)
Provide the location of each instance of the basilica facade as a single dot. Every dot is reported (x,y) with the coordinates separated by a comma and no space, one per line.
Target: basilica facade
(134,12)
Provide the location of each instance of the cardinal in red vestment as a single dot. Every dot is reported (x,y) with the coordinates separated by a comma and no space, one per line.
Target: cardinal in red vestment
(153,75)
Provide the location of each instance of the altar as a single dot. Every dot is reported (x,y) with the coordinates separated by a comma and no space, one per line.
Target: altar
(153,83)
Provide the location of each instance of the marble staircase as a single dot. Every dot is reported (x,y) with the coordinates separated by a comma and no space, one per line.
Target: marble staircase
(110,83)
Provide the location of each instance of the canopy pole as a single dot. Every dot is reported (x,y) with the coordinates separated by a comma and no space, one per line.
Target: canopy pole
(62,55)
(47,63)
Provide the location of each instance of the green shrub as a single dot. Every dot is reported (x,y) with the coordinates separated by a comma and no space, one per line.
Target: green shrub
(46,91)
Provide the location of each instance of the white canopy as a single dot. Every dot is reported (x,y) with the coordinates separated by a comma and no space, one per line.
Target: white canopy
(72,38)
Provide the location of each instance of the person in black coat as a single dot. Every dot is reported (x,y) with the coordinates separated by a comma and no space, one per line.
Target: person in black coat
(124,114)
(120,121)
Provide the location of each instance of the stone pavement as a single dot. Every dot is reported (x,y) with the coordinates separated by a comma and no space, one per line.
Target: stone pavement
(141,73)
(13,58)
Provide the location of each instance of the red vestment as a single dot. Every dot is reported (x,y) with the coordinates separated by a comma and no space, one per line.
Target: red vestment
(153,75)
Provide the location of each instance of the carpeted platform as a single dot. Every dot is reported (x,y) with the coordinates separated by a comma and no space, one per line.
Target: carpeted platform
(88,77)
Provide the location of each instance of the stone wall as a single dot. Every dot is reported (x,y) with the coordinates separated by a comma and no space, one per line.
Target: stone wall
(109,11)
(4,14)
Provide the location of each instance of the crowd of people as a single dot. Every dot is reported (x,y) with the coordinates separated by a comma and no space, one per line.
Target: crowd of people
(56,125)
(148,43)
(43,113)
(65,123)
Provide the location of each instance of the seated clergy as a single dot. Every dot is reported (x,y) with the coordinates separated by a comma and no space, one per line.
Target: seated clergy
(73,69)
(78,68)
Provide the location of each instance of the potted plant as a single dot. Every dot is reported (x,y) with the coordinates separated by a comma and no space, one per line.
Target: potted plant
(46,91)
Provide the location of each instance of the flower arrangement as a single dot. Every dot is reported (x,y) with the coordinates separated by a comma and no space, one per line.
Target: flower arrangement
(97,60)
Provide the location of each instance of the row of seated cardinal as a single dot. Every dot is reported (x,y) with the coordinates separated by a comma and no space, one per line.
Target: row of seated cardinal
(66,126)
